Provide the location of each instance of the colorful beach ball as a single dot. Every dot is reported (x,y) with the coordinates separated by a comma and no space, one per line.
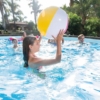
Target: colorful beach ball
(51,20)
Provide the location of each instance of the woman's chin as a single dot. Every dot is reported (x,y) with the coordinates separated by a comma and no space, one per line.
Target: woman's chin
(37,51)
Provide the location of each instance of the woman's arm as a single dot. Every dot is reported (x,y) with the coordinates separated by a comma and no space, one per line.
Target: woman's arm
(45,62)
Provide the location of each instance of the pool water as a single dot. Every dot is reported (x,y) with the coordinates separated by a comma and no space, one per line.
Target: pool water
(77,77)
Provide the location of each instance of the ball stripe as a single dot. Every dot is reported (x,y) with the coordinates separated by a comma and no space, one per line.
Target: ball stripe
(46,16)
(58,22)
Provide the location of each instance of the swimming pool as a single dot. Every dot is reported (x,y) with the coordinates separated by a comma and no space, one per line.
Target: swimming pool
(77,77)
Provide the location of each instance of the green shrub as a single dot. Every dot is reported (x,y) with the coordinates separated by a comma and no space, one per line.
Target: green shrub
(75,26)
(92,27)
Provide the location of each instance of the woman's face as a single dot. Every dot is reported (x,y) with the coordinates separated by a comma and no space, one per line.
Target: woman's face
(35,46)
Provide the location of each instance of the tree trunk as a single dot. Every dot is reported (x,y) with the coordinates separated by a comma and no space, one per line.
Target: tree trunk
(83,19)
(6,17)
(13,12)
(71,3)
(35,16)
(3,20)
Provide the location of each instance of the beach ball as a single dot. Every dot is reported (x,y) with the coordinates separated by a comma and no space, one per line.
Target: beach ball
(51,20)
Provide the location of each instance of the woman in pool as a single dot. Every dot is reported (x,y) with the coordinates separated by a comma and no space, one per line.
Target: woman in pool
(31,45)
(15,40)
(15,43)
(20,39)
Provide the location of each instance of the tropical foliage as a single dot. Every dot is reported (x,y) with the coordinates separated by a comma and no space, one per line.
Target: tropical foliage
(34,4)
(84,15)
(10,12)
(75,24)
(92,27)
(89,12)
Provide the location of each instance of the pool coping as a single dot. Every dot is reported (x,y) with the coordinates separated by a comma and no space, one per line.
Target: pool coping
(91,37)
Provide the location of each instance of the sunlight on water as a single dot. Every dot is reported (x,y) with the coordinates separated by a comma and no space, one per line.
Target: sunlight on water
(77,77)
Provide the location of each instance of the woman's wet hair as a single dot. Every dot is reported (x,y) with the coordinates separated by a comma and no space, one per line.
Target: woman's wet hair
(29,40)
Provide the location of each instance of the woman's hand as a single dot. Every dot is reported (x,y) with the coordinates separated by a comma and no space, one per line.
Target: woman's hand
(60,35)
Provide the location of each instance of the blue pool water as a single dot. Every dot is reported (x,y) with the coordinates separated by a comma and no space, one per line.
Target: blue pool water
(77,77)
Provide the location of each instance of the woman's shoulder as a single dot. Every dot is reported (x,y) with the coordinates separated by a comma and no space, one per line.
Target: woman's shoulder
(34,60)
